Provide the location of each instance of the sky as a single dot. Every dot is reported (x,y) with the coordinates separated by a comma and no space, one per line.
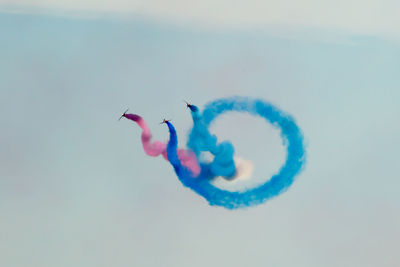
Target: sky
(76,188)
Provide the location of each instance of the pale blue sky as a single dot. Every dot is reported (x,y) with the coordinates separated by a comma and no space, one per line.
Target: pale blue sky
(76,189)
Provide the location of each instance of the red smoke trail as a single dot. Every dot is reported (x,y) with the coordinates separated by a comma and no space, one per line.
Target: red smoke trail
(156,148)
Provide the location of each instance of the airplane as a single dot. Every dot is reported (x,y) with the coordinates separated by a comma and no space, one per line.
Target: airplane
(164,121)
(187,104)
(123,114)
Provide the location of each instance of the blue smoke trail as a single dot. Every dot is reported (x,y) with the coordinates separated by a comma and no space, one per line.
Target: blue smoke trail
(279,183)
(200,140)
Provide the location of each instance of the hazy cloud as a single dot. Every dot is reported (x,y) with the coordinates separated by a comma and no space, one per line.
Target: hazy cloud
(370,17)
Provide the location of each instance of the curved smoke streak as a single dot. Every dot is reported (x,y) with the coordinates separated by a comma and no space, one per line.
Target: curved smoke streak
(156,148)
(201,140)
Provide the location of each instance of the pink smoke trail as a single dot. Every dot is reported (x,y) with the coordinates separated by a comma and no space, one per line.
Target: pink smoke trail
(187,157)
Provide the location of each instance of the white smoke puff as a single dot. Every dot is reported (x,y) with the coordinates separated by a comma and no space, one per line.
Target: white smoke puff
(244,169)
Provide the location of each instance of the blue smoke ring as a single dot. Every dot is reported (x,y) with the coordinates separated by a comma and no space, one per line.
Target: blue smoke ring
(277,184)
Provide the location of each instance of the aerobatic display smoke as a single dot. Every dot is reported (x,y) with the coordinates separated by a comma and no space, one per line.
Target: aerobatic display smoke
(198,175)
(200,140)
(156,148)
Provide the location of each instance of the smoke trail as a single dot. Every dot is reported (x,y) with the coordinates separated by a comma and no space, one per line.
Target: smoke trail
(187,157)
(200,140)
(280,182)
